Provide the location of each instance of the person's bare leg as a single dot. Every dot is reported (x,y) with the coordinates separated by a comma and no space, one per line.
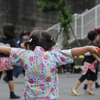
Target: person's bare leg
(86,82)
(73,90)
(11,86)
(89,85)
(77,84)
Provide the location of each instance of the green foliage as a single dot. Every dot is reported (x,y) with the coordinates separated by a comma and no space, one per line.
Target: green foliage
(65,18)
(47,5)
(63,8)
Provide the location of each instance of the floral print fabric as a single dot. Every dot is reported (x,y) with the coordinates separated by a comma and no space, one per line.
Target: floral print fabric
(87,66)
(5,63)
(41,82)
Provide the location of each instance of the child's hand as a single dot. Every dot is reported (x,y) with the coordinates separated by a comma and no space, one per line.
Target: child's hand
(98,49)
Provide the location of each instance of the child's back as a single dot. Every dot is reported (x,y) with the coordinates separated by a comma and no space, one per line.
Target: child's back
(40,70)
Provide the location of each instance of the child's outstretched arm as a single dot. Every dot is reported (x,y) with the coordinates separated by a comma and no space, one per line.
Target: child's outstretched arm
(96,57)
(5,50)
(82,50)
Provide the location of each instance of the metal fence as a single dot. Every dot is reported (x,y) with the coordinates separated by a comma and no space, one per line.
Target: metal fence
(82,23)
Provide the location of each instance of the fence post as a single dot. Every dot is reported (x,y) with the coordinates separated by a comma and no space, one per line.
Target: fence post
(96,16)
(75,22)
(82,30)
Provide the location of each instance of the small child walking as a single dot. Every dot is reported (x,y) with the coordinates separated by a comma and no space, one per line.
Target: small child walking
(40,63)
(7,39)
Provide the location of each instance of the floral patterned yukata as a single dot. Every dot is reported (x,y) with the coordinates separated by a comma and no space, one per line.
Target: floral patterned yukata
(5,64)
(41,82)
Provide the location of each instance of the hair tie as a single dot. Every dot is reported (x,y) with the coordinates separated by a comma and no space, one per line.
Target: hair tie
(96,29)
(30,40)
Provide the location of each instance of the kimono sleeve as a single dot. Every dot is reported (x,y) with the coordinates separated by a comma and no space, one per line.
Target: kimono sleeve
(17,56)
(63,57)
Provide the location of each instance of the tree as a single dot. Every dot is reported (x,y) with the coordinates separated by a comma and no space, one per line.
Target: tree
(65,18)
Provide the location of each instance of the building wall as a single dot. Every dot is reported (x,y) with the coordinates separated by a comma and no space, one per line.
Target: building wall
(97,2)
(25,14)
(78,7)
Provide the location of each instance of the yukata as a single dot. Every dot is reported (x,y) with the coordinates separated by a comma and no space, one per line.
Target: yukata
(5,64)
(41,82)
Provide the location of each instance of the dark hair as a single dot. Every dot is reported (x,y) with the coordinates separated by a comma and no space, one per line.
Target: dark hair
(8,30)
(91,35)
(98,30)
(40,38)
(24,33)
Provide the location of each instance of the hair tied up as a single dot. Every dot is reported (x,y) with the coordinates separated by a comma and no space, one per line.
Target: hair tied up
(30,40)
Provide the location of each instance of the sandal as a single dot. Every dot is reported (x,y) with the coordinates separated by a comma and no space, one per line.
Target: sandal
(75,92)
(89,93)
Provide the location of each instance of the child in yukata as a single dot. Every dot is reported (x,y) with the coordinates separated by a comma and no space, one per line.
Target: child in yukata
(40,62)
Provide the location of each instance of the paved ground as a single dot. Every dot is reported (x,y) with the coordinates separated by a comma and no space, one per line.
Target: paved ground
(66,82)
